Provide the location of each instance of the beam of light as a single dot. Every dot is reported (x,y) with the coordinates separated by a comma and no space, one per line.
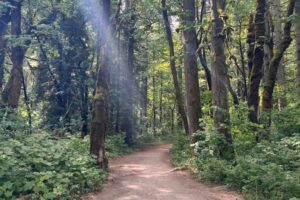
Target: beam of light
(100,35)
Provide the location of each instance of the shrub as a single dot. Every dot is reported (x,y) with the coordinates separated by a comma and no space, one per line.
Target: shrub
(266,170)
(115,146)
(148,139)
(45,168)
(181,151)
(213,169)
(287,122)
(263,180)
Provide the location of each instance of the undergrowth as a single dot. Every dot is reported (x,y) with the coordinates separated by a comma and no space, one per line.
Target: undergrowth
(40,166)
(37,167)
(265,170)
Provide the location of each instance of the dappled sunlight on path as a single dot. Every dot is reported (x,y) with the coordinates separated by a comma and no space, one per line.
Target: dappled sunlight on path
(148,175)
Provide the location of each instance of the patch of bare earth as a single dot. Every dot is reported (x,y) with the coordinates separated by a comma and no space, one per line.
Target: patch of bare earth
(148,175)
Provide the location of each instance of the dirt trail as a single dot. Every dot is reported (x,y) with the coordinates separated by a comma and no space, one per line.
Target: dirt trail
(148,175)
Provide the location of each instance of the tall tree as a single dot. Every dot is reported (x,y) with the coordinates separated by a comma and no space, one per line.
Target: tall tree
(126,114)
(297,10)
(268,45)
(12,91)
(178,94)
(4,19)
(219,79)
(258,60)
(276,60)
(193,104)
(282,101)
(154,105)
(100,99)
(201,49)
(251,44)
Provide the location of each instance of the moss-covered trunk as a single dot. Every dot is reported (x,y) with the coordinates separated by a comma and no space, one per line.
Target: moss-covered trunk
(220,80)
(281,76)
(258,61)
(276,60)
(4,19)
(100,101)
(12,91)
(297,10)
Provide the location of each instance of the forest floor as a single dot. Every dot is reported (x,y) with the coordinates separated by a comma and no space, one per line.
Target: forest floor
(148,175)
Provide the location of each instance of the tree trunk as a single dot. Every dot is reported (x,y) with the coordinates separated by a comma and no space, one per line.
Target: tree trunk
(100,100)
(201,50)
(276,60)
(4,19)
(144,103)
(84,91)
(161,100)
(193,104)
(126,115)
(172,120)
(178,94)
(243,89)
(27,103)
(219,80)
(251,44)
(119,73)
(268,46)
(144,95)
(12,91)
(202,58)
(282,101)
(154,106)
(258,60)
(298,49)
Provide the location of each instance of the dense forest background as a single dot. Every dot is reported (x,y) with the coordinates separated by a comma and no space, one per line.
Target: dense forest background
(220,78)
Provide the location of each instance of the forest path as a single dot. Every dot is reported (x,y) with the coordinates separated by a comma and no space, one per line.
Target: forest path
(148,175)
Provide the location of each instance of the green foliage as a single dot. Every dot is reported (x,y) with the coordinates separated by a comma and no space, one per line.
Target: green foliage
(267,170)
(44,168)
(270,170)
(115,146)
(147,139)
(213,169)
(263,178)
(12,126)
(181,151)
(287,122)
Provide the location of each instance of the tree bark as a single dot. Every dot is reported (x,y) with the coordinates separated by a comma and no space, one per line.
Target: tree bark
(258,60)
(251,44)
(194,112)
(84,92)
(201,50)
(154,106)
(243,88)
(4,19)
(297,10)
(161,99)
(282,101)
(178,94)
(202,58)
(84,110)
(220,80)
(268,46)
(144,92)
(276,60)
(12,91)
(100,100)
(126,114)
(27,102)
(144,103)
